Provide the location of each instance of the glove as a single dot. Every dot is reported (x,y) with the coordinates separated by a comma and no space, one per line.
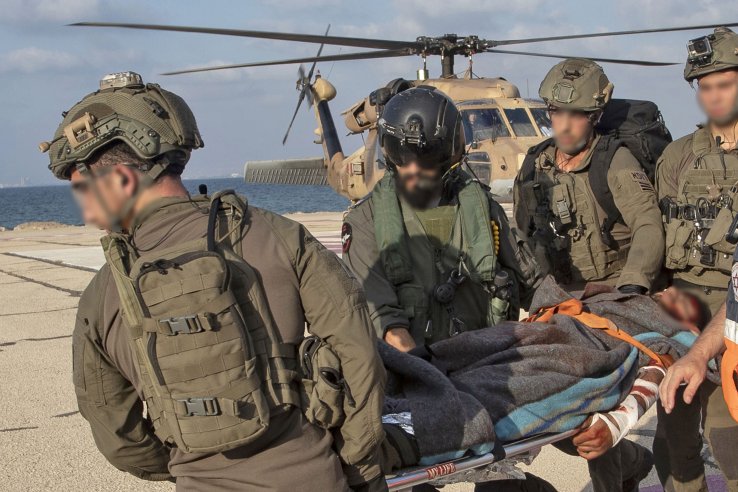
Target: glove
(632,289)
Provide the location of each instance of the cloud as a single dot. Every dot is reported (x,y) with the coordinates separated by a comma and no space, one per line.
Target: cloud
(32,60)
(39,11)
(671,13)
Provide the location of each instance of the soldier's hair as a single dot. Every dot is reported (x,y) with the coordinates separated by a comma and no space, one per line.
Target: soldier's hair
(119,152)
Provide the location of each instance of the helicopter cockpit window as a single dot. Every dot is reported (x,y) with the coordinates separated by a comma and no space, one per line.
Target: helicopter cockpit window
(483,124)
(520,122)
(540,115)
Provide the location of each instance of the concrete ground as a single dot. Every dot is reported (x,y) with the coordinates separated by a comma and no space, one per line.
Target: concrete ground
(44,443)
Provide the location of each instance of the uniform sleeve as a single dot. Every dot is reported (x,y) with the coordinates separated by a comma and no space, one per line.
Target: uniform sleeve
(336,311)
(516,257)
(362,257)
(109,402)
(636,199)
(666,174)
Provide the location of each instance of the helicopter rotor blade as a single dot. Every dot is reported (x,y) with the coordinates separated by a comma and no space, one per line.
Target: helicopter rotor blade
(505,42)
(644,63)
(294,115)
(365,55)
(320,50)
(381,44)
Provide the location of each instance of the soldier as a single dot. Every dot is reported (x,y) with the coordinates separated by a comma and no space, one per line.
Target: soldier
(433,250)
(189,316)
(591,214)
(583,199)
(697,182)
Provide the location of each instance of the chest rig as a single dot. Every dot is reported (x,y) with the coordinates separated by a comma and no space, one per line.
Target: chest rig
(442,261)
(211,361)
(570,216)
(700,216)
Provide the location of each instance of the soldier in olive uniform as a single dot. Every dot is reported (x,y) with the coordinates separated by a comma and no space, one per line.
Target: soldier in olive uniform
(697,184)
(433,250)
(591,214)
(584,200)
(124,148)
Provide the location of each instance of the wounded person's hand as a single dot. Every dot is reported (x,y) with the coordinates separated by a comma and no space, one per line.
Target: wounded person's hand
(602,431)
(399,337)
(595,440)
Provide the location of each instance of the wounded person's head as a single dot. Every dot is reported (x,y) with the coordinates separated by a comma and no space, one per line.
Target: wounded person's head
(683,306)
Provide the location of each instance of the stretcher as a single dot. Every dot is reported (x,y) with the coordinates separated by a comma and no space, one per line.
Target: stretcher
(475,468)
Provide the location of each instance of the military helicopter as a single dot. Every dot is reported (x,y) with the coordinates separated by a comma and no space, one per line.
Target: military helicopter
(499,124)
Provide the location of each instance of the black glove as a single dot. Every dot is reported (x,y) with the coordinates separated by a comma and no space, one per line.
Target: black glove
(632,289)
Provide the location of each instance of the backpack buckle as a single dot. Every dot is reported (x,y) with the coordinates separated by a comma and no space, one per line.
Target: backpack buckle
(201,407)
(183,324)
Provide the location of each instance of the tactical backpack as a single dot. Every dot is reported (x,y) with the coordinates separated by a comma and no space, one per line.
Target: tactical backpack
(635,124)
(211,361)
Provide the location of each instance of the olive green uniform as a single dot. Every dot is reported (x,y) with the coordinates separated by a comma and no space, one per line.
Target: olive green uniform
(574,252)
(435,242)
(689,169)
(303,283)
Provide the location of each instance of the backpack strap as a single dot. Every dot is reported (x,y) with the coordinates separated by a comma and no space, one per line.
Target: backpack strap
(528,168)
(599,168)
(575,309)
(235,210)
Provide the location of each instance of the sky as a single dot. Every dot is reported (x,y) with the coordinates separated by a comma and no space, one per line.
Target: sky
(46,67)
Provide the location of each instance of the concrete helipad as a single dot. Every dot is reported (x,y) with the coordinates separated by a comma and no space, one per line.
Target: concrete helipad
(44,443)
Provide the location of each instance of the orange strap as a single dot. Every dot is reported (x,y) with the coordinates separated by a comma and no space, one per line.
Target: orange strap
(728,369)
(575,309)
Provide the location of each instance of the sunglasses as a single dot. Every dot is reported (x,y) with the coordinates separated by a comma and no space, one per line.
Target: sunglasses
(82,187)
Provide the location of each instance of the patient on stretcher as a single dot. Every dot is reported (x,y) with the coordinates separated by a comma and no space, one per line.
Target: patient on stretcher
(593,359)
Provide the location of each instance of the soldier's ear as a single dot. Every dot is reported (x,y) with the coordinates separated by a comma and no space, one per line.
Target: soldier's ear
(127,179)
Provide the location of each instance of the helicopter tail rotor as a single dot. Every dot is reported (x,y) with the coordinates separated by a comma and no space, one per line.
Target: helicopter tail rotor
(304,82)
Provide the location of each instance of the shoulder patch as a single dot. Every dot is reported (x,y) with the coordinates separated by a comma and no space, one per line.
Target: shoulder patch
(640,178)
(345,237)
(734,280)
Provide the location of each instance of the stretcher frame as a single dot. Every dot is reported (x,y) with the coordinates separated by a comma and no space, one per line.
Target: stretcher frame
(406,479)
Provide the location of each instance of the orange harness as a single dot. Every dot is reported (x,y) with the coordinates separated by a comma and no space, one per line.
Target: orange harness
(575,309)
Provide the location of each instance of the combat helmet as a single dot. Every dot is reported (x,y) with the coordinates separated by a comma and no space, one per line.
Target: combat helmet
(156,124)
(712,53)
(421,124)
(576,84)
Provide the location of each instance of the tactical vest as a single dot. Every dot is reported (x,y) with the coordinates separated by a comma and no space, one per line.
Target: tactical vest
(697,221)
(211,362)
(572,216)
(449,249)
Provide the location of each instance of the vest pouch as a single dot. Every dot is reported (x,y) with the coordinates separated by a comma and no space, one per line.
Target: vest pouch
(498,310)
(716,237)
(679,236)
(414,302)
(206,371)
(324,388)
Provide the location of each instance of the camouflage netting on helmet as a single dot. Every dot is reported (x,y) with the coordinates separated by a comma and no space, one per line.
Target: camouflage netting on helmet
(576,84)
(713,53)
(149,119)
